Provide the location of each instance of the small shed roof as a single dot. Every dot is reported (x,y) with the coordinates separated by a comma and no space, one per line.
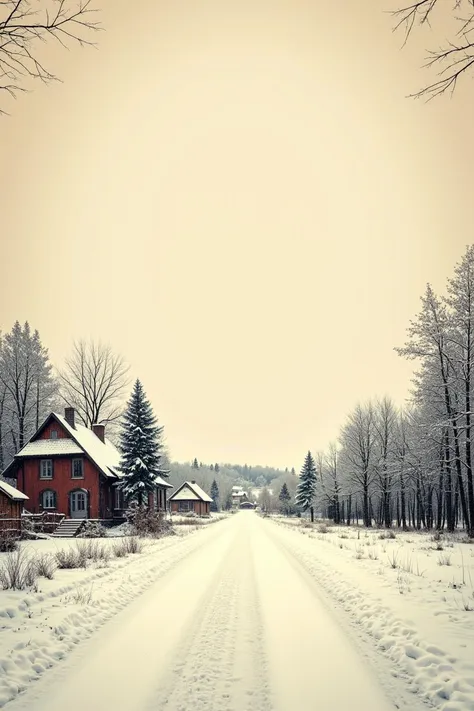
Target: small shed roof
(11,492)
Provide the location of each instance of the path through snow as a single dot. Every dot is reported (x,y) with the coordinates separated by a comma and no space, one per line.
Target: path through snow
(236,626)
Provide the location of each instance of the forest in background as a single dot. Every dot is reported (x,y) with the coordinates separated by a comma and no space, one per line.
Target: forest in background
(411,466)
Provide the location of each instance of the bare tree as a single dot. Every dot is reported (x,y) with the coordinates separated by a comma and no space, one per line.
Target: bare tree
(385,419)
(94,382)
(456,57)
(25,24)
(358,453)
(330,481)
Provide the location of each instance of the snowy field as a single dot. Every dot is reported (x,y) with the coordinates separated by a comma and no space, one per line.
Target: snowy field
(41,626)
(412,594)
(250,614)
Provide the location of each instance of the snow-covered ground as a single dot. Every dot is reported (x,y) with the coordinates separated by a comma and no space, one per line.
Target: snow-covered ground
(250,614)
(412,596)
(42,626)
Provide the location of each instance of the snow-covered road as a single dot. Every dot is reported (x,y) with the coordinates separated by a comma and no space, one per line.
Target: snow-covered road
(238,625)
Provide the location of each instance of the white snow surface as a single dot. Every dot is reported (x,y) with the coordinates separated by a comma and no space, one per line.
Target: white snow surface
(248,614)
(50,447)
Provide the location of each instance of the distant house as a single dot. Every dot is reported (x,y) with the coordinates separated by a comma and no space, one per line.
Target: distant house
(190,497)
(70,469)
(238,496)
(11,506)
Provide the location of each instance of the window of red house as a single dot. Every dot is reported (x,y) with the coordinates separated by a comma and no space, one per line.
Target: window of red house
(48,499)
(46,469)
(77,469)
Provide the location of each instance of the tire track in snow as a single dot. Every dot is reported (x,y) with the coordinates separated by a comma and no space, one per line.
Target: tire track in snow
(219,664)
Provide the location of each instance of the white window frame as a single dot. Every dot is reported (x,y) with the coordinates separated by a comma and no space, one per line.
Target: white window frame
(77,459)
(50,493)
(49,467)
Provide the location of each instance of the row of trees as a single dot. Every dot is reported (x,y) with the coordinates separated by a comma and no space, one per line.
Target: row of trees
(410,466)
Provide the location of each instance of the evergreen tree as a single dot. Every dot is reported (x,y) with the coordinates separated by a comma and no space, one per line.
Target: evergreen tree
(214,496)
(195,464)
(307,485)
(228,501)
(216,467)
(211,467)
(141,446)
(284,497)
(293,471)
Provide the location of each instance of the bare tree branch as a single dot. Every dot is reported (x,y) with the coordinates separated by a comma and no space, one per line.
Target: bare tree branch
(24,24)
(452,61)
(94,381)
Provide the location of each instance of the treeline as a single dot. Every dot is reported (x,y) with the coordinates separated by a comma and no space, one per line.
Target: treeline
(413,466)
(228,475)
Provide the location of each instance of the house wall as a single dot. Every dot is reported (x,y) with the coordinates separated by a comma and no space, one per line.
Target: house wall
(46,433)
(9,508)
(30,483)
(198,507)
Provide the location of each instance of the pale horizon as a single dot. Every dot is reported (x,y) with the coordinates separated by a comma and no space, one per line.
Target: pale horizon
(246,216)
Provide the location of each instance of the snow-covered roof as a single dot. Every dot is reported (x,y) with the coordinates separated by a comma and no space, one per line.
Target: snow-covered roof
(81,440)
(50,447)
(189,491)
(104,454)
(162,482)
(11,492)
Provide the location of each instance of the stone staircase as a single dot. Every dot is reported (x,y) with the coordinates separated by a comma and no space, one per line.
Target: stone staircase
(68,528)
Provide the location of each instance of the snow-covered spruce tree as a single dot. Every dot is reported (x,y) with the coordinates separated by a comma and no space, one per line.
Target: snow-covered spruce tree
(214,496)
(284,496)
(141,445)
(307,486)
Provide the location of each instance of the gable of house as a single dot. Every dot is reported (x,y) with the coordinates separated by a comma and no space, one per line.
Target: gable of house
(190,491)
(57,438)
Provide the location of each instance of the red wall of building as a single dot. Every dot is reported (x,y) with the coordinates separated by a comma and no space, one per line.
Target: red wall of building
(30,483)
(53,425)
(199,507)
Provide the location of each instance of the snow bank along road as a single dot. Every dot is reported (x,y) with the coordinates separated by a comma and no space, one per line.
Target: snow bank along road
(237,624)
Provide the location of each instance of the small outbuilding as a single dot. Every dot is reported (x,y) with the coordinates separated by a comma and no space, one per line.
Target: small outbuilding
(12,502)
(189,497)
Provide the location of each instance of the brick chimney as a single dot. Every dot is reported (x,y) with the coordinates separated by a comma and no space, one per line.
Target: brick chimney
(99,431)
(193,481)
(69,416)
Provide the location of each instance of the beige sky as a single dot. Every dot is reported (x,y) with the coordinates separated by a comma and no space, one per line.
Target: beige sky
(238,197)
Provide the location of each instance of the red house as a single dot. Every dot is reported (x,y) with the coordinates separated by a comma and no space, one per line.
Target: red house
(70,469)
(189,497)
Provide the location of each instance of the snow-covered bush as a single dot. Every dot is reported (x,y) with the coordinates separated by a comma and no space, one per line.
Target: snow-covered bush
(68,558)
(8,543)
(18,571)
(45,566)
(146,522)
(127,546)
(93,529)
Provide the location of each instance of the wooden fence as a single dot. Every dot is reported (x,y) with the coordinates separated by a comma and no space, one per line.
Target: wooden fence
(45,522)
